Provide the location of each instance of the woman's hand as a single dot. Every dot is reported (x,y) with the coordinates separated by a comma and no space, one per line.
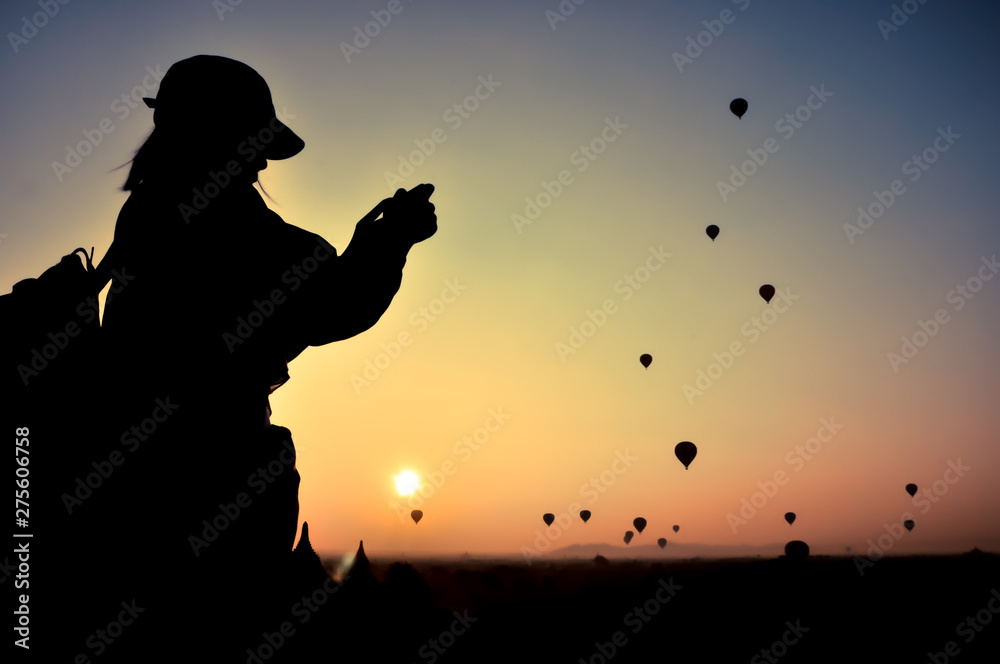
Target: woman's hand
(410,214)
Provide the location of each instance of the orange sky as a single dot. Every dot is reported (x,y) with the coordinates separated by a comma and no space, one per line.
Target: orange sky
(489,305)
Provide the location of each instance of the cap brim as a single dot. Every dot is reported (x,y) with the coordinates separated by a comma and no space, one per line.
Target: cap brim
(286,142)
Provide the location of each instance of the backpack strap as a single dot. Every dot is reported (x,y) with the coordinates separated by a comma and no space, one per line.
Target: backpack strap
(88,259)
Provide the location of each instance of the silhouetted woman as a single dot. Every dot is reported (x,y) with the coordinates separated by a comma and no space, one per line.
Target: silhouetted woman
(213,295)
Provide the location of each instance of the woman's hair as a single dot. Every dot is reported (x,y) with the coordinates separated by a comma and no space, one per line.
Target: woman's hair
(144,162)
(179,156)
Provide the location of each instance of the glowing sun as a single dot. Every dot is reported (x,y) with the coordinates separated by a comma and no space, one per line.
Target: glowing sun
(407,482)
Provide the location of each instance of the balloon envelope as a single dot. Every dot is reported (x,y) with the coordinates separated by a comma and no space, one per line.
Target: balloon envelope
(548,519)
(713,232)
(739,107)
(911,489)
(676,528)
(416,515)
(767,292)
(797,549)
(646,359)
(790,517)
(686,451)
(639,523)
(662,542)
(585,515)
(628,536)
(909,524)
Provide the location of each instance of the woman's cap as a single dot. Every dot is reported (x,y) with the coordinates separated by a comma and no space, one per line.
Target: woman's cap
(210,91)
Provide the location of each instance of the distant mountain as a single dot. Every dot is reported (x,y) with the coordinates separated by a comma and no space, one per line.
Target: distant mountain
(671,551)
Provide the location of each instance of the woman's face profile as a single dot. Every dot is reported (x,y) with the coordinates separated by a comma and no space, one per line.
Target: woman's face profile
(221,149)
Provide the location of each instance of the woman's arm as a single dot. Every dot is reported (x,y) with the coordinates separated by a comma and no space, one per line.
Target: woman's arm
(349,293)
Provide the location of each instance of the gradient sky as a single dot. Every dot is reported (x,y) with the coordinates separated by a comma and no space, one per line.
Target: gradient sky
(522,287)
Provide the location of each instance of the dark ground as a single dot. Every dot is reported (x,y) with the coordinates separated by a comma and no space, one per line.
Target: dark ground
(900,610)
(817,610)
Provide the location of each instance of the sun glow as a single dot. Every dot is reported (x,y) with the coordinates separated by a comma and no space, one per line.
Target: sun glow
(407,482)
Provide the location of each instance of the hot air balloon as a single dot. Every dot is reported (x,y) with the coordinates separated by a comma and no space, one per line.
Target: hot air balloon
(416,515)
(628,536)
(911,489)
(548,519)
(639,523)
(790,517)
(686,452)
(739,107)
(797,550)
(662,542)
(767,292)
(646,359)
(585,515)
(909,524)
(713,232)
(676,528)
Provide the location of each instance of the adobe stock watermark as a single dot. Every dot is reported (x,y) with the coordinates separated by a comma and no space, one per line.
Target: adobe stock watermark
(363,36)
(714,28)
(894,532)
(122,106)
(913,167)
(260,310)
(563,11)
(260,480)
(304,609)
(454,116)
(780,647)
(925,498)
(705,378)
(434,648)
(102,639)
(131,439)
(581,158)
(6,570)
(900,14)
(786,126)
(419,320)
(464,449)
(958,297)
(593,489)
(38,20)
(249,148)
(796,458)
(87,311)
(223,7)
(22,600)
(636,619)
(626,287)
(970,627)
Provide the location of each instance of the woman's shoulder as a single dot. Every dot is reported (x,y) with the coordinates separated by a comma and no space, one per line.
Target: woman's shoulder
(153,213)
(294,238)
(142,214)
